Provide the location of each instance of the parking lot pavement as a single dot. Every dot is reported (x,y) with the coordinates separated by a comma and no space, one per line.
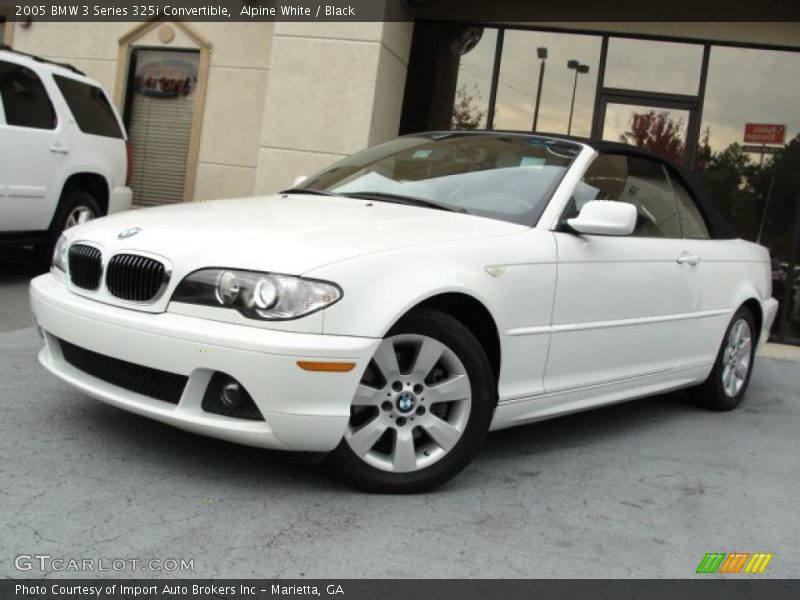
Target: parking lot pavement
(641,489)
(16,270)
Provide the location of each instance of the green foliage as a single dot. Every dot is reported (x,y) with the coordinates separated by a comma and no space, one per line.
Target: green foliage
(466,115)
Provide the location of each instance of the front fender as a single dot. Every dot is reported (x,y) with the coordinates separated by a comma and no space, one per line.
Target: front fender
(513,276)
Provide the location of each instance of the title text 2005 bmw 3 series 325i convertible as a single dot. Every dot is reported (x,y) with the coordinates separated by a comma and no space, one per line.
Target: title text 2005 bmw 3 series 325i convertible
(392,309)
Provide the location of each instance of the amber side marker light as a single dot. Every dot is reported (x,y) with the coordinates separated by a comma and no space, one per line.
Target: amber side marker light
(330,367)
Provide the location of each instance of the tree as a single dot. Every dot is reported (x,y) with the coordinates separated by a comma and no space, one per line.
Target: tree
(728,179)
(466,115)
(657,132)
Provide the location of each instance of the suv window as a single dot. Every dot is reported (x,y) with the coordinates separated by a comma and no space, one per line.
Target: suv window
(24,98)
(693,224)
(638,181)
(89,105)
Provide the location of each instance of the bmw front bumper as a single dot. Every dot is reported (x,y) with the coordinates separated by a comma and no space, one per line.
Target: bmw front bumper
(302,410)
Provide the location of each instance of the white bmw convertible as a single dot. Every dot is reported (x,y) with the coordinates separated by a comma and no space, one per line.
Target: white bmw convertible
(394,308)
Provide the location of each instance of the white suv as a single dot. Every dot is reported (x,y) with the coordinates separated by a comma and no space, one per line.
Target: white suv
(64,155)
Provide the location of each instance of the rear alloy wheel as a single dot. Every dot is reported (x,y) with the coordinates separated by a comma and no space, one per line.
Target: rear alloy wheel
(727,383)
(421,410)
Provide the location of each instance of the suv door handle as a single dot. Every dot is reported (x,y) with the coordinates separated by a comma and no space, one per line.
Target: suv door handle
(59,149)
(688,259)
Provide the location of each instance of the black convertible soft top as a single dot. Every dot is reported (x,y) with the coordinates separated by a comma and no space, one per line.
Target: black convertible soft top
(718,227)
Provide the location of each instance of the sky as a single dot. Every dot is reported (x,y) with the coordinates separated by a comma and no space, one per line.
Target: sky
(744,85)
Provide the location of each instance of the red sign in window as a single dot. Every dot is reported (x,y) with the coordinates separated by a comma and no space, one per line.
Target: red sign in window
(764,133)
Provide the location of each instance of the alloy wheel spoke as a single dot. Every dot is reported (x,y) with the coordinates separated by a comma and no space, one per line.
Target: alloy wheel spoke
(367,396)
(430,351)
(404,458)
(386,359)
(362,440)
(744,347)
(450,390)
(741,369)
(442,432)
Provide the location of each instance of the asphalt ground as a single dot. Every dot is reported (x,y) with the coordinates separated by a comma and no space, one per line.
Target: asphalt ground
(641,490)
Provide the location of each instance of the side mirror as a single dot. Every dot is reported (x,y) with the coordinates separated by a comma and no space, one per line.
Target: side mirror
(298,180)
(604,217)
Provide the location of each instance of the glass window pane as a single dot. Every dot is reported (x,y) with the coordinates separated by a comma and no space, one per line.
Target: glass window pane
(650,66)
(519,81)
(659,130)
(93,114)
(692,223)
(474,84)
(25,100)
(638,181)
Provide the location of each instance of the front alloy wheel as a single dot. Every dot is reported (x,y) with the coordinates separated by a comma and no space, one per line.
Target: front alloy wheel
(421,410)
(406,421)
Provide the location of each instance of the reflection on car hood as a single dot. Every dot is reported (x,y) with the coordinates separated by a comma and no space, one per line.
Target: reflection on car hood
(284,233)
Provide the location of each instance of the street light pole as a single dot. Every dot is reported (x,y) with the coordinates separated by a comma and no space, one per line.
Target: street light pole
(542,54)
(578,68)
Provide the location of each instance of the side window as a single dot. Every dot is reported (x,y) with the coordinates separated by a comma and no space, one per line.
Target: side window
(692,222)
(638,181)
(25,100)
(93,114)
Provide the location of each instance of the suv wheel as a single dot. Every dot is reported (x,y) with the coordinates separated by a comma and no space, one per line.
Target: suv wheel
(76,207)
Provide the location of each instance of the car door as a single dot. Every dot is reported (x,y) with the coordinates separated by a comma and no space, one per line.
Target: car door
(624,304)
(33,148)
(716,273)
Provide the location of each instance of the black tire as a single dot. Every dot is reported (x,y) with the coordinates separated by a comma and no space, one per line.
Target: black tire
(71,200)
(346,465)
(711,393)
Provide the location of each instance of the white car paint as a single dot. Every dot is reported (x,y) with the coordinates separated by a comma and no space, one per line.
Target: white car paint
(38,162)
(582,320)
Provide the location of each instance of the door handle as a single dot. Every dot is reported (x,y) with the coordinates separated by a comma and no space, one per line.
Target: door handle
(688,259)
(59,149)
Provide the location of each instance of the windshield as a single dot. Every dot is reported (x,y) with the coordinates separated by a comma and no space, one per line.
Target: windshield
(510,177)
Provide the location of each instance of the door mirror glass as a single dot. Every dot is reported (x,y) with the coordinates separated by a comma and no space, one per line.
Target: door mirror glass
(601,217)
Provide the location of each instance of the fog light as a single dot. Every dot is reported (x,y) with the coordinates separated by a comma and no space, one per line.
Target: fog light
(227,397)
(231,394)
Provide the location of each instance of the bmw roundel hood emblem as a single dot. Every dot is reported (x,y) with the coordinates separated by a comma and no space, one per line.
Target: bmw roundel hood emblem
(126,233)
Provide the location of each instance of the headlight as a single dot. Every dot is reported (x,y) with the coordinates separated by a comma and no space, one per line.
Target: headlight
(60,255)
(257,295)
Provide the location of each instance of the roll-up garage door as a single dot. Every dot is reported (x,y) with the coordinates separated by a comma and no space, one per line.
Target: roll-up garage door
(159,110)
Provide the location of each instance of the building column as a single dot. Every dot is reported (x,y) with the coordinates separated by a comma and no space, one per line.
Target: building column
(333,89)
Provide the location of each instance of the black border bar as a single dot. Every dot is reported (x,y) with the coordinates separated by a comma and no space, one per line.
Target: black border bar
(701,588)
(496,11)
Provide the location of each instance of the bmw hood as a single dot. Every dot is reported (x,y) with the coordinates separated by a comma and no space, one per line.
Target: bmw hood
(290,233)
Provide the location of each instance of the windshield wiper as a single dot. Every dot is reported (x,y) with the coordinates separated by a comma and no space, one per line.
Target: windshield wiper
(308,191)
(400,199)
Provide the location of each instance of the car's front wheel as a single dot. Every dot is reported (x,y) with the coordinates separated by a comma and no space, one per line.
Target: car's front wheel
(422,409)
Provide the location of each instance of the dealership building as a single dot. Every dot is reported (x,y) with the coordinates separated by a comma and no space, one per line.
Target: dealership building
(217,109)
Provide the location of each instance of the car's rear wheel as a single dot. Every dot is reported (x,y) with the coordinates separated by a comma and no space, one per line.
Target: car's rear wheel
(422,409)
(728,381)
